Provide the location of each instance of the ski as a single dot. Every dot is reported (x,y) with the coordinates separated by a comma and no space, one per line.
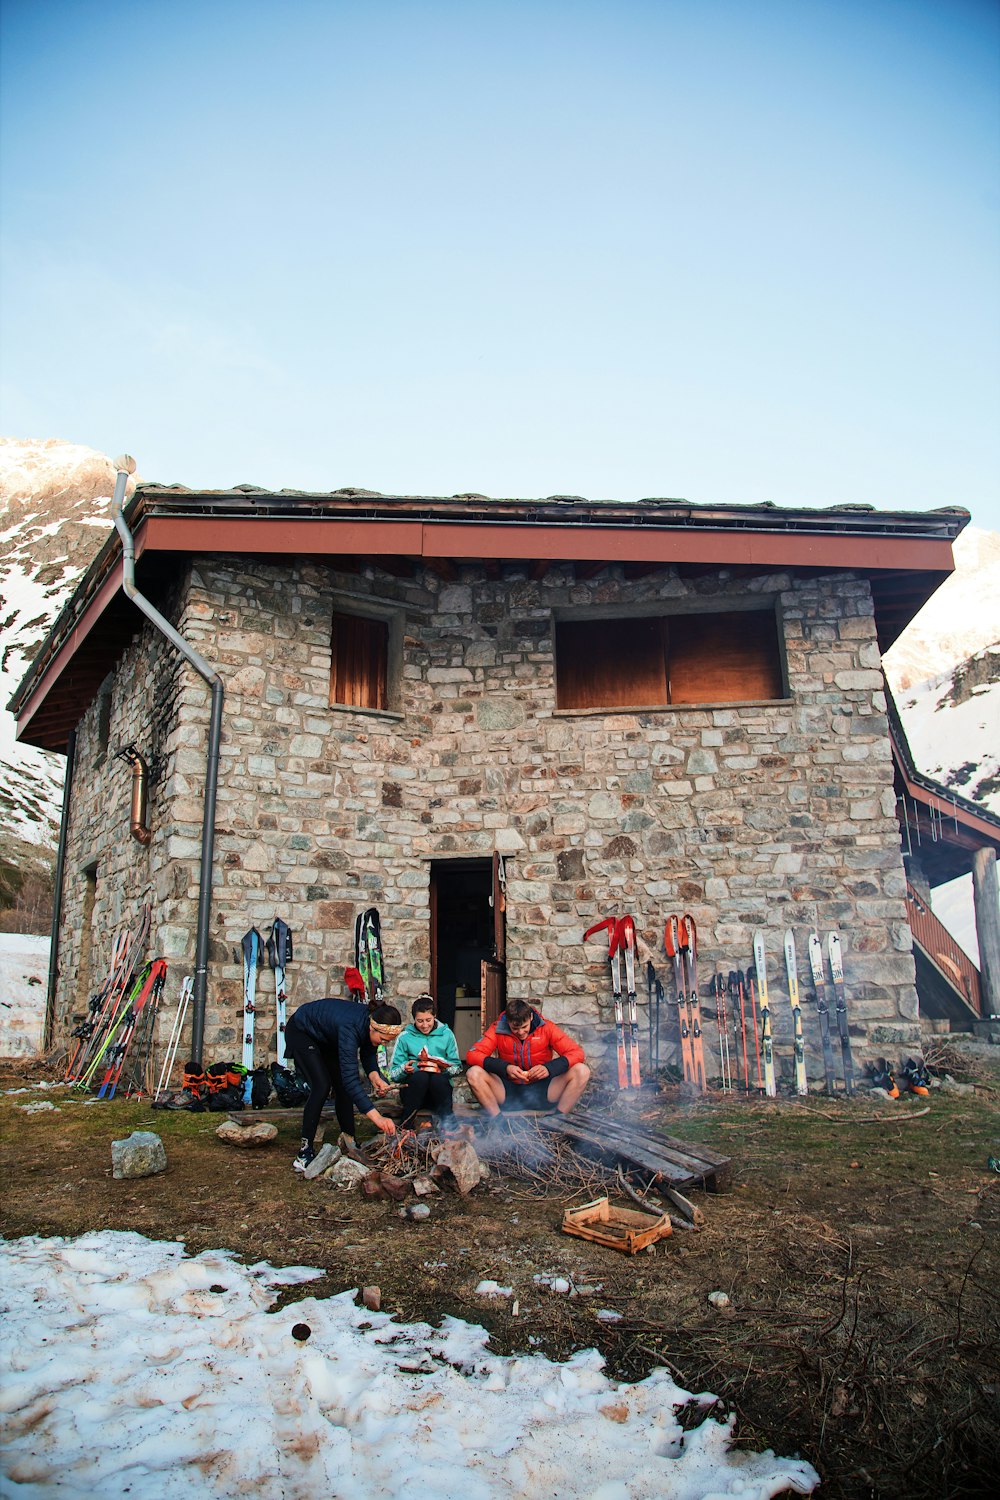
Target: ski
(106,1006)
(823,1007)
(837,971)
(611,926)
(626,940)
(798,1042)
(368,954)
(672,944)
(149,994)
(760,974)
(113,1035)
(689,955)
(279,954)
(751,996)
(252,947)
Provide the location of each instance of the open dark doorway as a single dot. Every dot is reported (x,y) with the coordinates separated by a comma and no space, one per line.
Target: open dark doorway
(466,941)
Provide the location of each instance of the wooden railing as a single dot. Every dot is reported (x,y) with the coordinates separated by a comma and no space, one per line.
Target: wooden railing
(939,945)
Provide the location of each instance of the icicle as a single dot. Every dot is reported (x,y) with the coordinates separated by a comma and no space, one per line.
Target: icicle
(906,825)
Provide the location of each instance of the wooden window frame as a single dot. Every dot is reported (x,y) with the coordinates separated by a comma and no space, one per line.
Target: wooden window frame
(379,694)
(670,634)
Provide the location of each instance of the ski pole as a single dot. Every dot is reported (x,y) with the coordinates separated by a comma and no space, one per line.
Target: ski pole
(175,1036)
(739,995)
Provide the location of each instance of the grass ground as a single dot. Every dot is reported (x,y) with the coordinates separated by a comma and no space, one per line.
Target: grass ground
(857,1241)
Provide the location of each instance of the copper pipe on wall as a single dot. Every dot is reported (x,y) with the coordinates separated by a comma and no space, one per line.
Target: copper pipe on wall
(138,823)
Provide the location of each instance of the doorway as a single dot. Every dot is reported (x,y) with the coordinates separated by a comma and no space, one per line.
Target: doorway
(467,944)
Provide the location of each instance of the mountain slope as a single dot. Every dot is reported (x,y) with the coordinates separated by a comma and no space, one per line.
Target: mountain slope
(54,516)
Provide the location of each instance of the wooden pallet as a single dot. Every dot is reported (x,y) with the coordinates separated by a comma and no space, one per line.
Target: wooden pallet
(676,1162)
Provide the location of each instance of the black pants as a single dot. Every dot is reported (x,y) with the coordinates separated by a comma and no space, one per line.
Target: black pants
(321,1070)
(426,1091)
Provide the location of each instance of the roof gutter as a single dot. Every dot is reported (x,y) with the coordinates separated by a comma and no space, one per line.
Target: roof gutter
(126,466)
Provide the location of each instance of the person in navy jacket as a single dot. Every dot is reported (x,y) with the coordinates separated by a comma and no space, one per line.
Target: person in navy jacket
(325,1039)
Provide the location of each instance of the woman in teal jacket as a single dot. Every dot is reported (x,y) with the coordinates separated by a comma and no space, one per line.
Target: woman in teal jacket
(424,1061)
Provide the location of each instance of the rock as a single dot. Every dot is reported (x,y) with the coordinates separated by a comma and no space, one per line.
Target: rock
(371,1296)
(462,1163)
(395,1187)
(345,1174)
(949,1086)
(324,1158)
(141,1154)
(247,1135)
(414,1211)
(371,1186)
(424,1186)
(718,1300)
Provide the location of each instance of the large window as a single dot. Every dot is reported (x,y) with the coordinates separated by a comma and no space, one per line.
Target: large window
(654,661)
(359,672)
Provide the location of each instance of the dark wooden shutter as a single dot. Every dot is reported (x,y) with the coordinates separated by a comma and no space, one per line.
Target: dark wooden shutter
(359,671)
(618,663)
(731,657)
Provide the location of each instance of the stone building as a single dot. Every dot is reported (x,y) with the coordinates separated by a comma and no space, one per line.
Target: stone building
(497,722)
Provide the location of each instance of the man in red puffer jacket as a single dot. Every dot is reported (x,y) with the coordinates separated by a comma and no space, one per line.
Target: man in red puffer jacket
(526,1062)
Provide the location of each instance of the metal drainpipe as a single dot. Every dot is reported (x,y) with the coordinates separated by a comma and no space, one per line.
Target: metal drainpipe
(126,466)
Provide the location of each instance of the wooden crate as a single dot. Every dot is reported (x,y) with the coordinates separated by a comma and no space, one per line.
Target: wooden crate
(624,1229)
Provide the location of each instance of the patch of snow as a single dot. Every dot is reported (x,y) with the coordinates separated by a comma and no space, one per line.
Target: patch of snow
(134,1369)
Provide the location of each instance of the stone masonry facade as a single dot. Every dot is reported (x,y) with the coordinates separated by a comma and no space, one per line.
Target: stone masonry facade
(759,815)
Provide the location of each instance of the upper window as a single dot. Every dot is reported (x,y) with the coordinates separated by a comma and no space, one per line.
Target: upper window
(653,661)
(359,674)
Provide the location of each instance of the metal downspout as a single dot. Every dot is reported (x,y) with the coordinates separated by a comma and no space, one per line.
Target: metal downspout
(57,895)
(126,466)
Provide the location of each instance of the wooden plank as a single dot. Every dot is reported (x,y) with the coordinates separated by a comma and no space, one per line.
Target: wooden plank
(622,1130)
(670,1164)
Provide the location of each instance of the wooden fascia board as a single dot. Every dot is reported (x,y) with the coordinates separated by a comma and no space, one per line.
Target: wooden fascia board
(277,536)
(74,639)
(986,833)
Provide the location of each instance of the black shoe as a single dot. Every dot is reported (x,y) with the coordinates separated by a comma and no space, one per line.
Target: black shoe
(305,1156)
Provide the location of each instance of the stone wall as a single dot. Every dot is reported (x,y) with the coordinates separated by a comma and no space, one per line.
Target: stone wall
(762,815)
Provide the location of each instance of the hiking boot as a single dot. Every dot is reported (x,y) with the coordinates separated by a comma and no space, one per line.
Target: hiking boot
(305,1156)
(916,1077)
(185,1100)
(881,1077)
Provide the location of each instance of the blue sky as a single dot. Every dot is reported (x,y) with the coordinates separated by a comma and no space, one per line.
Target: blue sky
(730,250)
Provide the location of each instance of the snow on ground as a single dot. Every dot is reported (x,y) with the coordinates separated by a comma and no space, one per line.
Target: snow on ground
(132,1369)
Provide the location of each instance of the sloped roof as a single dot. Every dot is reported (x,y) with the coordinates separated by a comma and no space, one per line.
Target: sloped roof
(906,554)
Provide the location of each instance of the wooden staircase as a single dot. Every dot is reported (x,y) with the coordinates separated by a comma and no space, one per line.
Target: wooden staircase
(947,979)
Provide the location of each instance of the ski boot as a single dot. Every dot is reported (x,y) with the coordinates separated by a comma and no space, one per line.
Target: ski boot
(881,1076)
(916,1077)
(305,1156)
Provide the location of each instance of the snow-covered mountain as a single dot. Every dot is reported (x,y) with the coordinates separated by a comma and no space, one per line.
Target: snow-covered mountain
(54,516)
